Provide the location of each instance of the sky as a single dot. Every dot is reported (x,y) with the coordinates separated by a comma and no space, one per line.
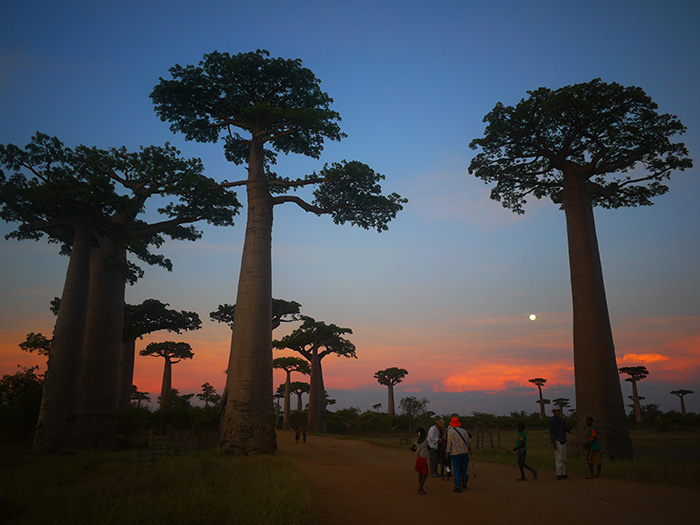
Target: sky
(445,293)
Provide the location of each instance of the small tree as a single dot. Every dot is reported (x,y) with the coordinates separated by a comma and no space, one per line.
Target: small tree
(561,402)
(540,381)
(209,395)
(636,374)
(299,388)
(413,408)
(681,394)
(289,365)
(390,377)
(139,396)
(172,353)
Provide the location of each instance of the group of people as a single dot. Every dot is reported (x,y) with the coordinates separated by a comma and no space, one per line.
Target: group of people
(439,450)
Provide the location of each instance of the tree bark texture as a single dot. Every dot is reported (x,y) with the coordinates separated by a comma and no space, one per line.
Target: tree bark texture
(392,411)
(248,423)
(598,392)
(55,430)
(167,384)
(126,373)
(98,389)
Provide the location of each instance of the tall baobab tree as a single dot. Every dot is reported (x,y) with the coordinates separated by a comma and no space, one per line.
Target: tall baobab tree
(314,340)
(636,374)
(279,106)
(567,145)
(289,365)
(540,381)
(390,377)
(681,394)
(172,352)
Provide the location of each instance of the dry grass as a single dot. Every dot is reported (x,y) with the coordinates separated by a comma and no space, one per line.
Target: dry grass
(104,488)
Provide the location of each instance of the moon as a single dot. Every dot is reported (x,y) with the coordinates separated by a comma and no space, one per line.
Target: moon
(533,317)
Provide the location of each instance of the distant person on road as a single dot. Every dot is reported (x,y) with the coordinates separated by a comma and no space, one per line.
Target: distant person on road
(521,449)
(420,446)
(303,436)
(434,437)
(458,440)
(296,436)
(557,436)
(593,446)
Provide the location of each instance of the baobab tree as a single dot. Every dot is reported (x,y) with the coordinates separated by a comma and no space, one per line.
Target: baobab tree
(279,106)
(636,374)
(150,316)
(681,394)
(138,396)
(390,377)
(540,381)
(314,340)
(299,388)
(172,352)
(567,145)
(71,195)
(561,402)
(289,365)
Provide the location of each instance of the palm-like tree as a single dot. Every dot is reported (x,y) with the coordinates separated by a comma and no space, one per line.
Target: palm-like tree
(681,393)
(636,374)
(172,353)
(289,365)
(390,377)
(540,381)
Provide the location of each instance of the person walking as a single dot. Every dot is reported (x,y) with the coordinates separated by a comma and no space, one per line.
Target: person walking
(434,437)
(593,446)
(458,440)
(557,436)
(521,449)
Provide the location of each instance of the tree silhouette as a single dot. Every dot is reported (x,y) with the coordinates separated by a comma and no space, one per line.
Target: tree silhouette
(562,144)
(209,395)
(636,374)
(299,388)
(145,318)
(540,381)
(280,107)
(561,402)
(139,396)
(314,340)
(681,393)
(289,365)
(390,377)
(172,352)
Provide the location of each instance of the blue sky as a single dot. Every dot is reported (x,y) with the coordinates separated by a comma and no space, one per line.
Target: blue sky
(447,291)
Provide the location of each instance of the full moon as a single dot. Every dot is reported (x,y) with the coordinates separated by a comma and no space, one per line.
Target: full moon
(533,317)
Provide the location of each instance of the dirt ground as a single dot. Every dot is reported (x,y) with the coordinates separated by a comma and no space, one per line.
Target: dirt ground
(359,483)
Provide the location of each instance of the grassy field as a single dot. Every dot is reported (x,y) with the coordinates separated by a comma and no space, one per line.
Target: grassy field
(669,458)
(108,488)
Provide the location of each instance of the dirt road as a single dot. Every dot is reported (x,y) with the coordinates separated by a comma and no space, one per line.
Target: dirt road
(358,483)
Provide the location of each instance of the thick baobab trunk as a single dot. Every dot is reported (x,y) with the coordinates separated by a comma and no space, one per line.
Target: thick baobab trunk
(98,389)
(542,414)
(248,423)
(392,411)
(682,405)
(598,392)
(287,409)
(126,374)
(635,401)
(55,430)
(167,384)
(316,394)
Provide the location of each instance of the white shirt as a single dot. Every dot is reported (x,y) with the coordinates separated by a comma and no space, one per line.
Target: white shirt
(433,436)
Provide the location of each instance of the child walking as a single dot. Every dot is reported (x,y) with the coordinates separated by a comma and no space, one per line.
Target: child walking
(521,449)
(422,453)
(593,446)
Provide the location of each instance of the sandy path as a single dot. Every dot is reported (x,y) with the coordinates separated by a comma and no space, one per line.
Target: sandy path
(355,482)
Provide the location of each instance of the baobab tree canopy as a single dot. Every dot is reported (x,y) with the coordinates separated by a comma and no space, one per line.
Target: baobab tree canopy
(390,376)
(585,145)
(591,130)
(280,107)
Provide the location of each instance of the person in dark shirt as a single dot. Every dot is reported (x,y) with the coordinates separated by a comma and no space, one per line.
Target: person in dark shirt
(557,436)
